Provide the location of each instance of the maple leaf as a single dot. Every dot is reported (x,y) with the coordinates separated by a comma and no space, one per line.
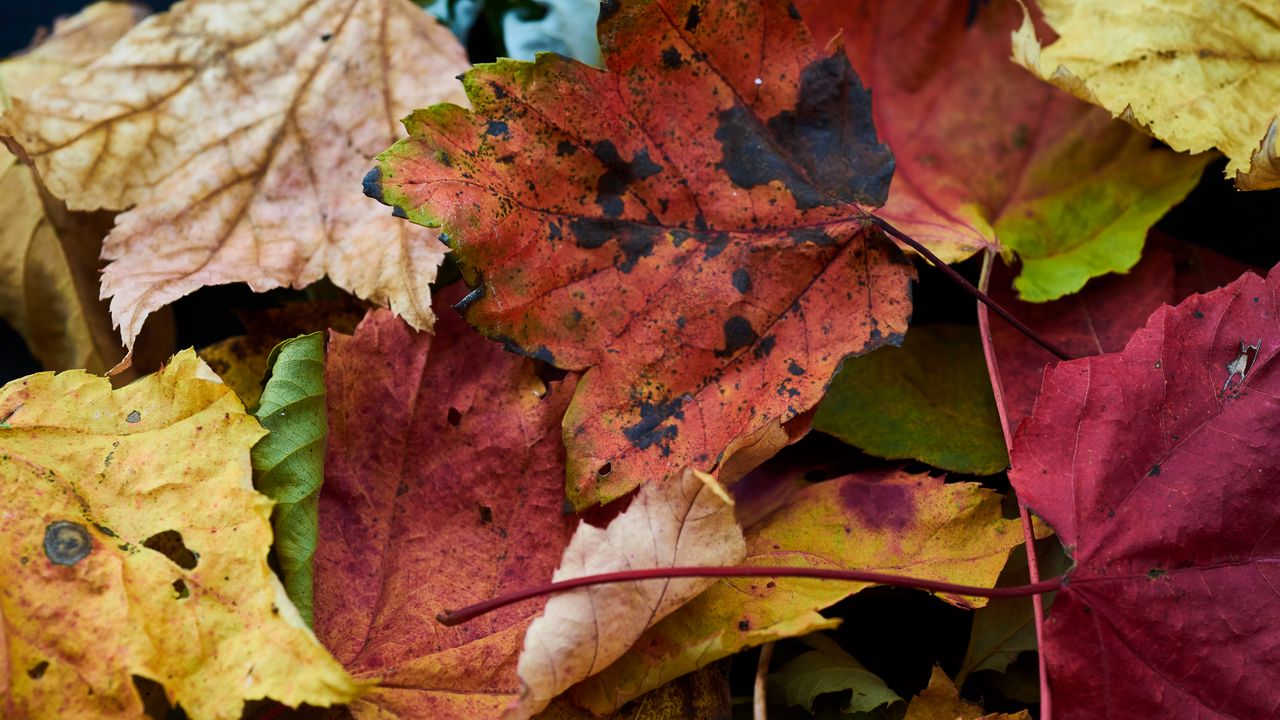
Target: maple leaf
(703,695)
(444,483)
(48,255)
(288,463)
(138,547)
(929,400)
(1156,466)
(871,521)
(1099,319)
(230,129)
(683,521)
(699,244)
(941,701)
(987,157)
(1197,74)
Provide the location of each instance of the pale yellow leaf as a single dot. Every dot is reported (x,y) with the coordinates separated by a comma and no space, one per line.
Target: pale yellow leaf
(238,131)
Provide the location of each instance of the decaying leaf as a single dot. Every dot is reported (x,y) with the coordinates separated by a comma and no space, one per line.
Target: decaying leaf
(941,701)
(929,400)
(136,546)
(698,243)
(703,695)
(288,464)
(1161,485)
(444,486)
(49,255)
(989,157)
(685,520)
(1198,74)
(827,668)
(233,130)
(886,521)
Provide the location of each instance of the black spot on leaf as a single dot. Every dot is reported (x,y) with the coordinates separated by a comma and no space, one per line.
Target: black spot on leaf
(672,59)
(692,18)
(618,175)
(66,543)
(647,433)
(742,280)
(497,128)
(738,334)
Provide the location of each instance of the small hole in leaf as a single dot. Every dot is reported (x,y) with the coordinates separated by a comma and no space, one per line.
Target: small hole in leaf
(35,672)
(169,543)
(180,588)
(486,514)
(155,704)
(605,469)
(454,417)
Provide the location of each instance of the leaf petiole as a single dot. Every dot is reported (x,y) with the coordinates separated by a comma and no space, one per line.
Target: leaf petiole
(457,617)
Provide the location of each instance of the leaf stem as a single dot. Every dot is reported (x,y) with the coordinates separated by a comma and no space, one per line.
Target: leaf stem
(969,288)
(456,617)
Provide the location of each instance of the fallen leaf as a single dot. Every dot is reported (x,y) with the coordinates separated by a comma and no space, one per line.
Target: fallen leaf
(990,158)
(288,464)
(1005,627)
(232,129)
(703,695)
(444,486)
(1099,319)
(941,701)
(48,255)
(1157,469)
(888,521)
(139,548)
(699,244)
(929,400)
(827,668)
(1196,74)
(686,520)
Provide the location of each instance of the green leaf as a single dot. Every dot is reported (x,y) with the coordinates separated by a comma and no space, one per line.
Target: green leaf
(288,464)
(929,400)
(829,669)
(1005,628)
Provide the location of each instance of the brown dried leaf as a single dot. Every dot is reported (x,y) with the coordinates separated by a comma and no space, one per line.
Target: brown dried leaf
(687,520)
(234,129)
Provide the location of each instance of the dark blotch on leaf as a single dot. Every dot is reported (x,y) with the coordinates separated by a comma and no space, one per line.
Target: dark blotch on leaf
(738,334)
(169,543)
(647,432)
(832,155)
(486,514)
(618,175)
(453,417)
(1198,315)
(566,148)
(133,417)
(672,59)
(180,589)
(326,37)
(692,19)
(742,280)
(765,347)
(879,505)
(397,211)
(35,672)
(1154,471)
(795,369)
(66,543)
(497,128)
(373,184)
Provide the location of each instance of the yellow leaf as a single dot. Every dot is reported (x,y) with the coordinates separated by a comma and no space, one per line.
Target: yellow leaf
(1197,74)
(687,520)
(234,129)
(941,701)
(49,256)
(135,545)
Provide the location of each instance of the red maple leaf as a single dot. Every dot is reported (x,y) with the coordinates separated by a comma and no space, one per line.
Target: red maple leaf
(690,226)
(1158,468)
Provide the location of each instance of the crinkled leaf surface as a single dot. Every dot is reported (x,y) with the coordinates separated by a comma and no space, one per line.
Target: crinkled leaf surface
(929,400)
(1157,465)
(685,520)
(941,701)
(1099,319)
(136,545)
(698,242)
(444,486)
(233,130)
(288,464)
(49,255)
(827,668)
(888,521)
(703,695)
(988,157)
(1198,74)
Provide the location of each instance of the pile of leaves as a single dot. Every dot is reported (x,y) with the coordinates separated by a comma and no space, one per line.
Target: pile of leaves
(689,308)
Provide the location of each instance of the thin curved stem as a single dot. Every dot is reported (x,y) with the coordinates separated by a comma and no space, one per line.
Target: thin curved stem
(1028,531)
(456,617)
(960,280)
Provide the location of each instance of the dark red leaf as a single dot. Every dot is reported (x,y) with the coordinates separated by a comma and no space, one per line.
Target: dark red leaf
(1158,468)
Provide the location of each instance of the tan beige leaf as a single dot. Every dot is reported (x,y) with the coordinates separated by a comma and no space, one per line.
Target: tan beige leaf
(941,701)
(686,520)
(135,545)
(237,130)
(49,256)
(1197,74)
